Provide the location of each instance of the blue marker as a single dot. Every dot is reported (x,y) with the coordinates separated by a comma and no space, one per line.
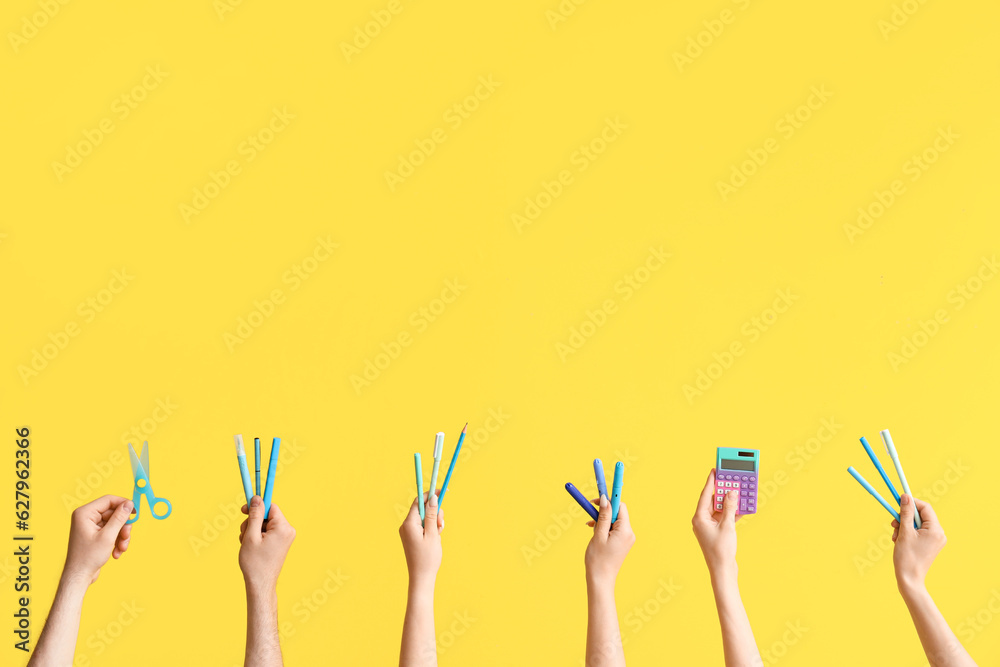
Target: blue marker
(616,490)
(583,502)
(881,470)
(272,467)
(602,482)
(451,466)
(256,457)
(868,487)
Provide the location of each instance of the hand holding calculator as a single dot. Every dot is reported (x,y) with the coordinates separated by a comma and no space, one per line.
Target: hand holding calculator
(736,470)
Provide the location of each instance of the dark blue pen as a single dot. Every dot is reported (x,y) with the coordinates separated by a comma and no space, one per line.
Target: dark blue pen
(584,503)
(256,457)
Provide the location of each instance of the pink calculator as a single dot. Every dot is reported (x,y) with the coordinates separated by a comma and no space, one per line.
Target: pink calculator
(736,470)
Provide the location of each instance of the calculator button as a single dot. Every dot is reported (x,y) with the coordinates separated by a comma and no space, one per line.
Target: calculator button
(745,478)
(753,486)
(729,476)
(718,499)
(752,478)
(718,506)
(743,505)
(743,492)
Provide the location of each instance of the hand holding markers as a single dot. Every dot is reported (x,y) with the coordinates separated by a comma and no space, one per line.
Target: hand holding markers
(610,544)
(262,553)
(418,466)
(602,490)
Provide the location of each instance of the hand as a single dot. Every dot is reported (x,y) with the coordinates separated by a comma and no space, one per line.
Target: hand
(97,530)
(262,552)
(716,531)
(915,550)
(610,544)
(422,544)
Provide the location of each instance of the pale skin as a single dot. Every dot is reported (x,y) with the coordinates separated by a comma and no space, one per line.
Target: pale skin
(603,559)
(97,532)
(422,546)
(716,533)
(912,556)
(262,554)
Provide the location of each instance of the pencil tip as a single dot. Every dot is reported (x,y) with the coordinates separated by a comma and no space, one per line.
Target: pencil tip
(465,427)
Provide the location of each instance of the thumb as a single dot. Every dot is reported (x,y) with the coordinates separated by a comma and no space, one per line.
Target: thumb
(431,515)
(117,520)
(603,525)
(905,515)
(729,508)
(255,522)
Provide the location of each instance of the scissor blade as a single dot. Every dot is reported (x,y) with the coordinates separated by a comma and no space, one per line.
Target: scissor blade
(138,472)
(144,457)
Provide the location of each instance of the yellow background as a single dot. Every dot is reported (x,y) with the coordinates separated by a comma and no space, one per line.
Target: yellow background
(494,348)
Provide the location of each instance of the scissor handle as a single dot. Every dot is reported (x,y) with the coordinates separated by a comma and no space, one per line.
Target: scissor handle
(152,506)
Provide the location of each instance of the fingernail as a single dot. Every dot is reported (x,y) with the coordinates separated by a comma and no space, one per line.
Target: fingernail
(604,501)
(255,501)
(434,500)
(904,499)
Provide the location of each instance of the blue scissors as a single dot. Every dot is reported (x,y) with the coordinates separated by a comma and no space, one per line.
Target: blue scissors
(140,472)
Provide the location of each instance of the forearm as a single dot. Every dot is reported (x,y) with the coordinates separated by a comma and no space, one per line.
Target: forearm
(263,642)
(57,642)
(940,644)
(604,640)
(419,645)
(738,643)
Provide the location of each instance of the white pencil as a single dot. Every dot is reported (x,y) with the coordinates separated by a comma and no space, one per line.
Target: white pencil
(438,451)
(891,449)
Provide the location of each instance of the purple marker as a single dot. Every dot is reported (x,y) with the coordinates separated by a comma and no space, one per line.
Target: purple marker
(584,503)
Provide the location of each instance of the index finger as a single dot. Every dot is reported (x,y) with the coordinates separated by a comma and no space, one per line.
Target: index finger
(705,501)
(104,503)
(276,518)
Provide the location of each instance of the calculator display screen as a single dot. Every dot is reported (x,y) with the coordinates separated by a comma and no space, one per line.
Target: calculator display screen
(736,464)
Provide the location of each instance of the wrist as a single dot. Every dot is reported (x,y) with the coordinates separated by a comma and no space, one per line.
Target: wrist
(601,582)
(261,588)
(74,583)
(422,583)
(911,587)
(723,571)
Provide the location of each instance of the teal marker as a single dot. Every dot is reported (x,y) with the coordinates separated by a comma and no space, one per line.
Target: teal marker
(616,490)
